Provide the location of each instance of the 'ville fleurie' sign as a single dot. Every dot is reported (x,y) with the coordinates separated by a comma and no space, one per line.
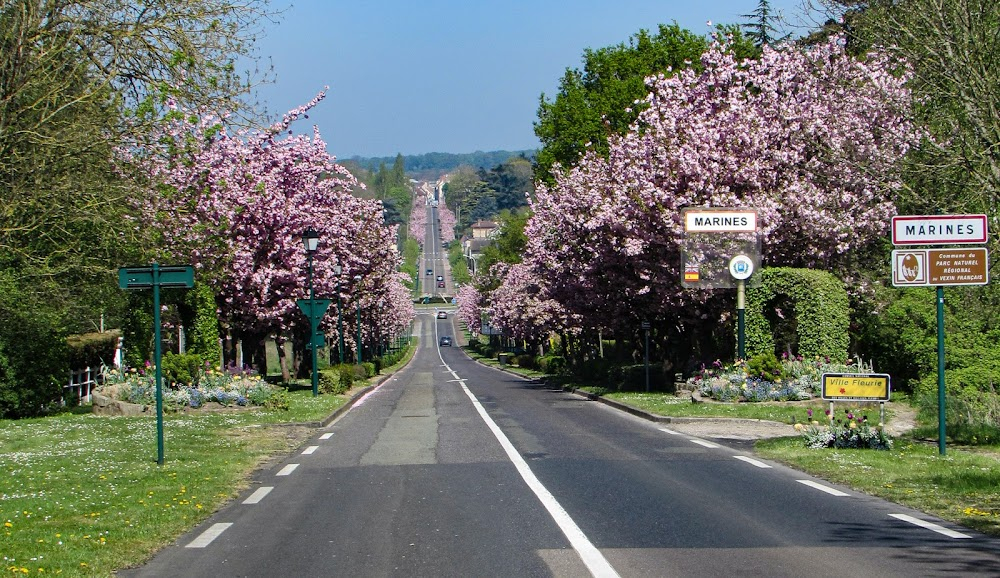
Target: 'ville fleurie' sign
(855,387)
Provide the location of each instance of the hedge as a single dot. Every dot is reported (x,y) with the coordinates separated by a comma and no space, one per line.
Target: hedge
(820,309)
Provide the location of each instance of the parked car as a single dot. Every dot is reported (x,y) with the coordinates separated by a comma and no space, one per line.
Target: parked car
(442,314)
(440,284)
(445,341)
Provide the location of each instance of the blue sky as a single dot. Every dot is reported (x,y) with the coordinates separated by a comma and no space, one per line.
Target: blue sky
(412,76)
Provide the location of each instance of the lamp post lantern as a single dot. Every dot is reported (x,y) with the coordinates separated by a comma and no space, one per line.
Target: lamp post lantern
(338,270)
(311,241)
(357,282)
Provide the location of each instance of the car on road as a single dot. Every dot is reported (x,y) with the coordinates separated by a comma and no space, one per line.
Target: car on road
(440,277)
(430,271)
(440,284)
(445,341)
(442,315)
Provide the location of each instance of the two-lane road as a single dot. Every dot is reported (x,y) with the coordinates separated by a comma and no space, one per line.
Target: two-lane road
(454,469)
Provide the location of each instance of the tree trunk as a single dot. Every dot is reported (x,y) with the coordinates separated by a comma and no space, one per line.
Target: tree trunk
(286,375)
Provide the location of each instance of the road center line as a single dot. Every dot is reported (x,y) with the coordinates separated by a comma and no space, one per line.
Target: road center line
(208,535)
(309,450)
(822,488)
(326,436)
(258,495)
(749,460)
(287,470)
(929,525)
(591,556)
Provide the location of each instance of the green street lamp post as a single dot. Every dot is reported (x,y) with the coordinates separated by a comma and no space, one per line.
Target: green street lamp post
(357,282)
(311,241)
(340,314)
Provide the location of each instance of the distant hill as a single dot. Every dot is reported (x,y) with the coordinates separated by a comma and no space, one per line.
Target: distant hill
(443,162)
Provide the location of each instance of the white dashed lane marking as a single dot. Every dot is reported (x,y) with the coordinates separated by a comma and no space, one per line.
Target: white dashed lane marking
(309,450)
(822,488)
(287,470)
(929,525)
(704,443)
(257,496)
(208,535)
(326,436)
(748,460)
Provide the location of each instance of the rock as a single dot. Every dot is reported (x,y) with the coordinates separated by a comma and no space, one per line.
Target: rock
(696,397)
(103,405)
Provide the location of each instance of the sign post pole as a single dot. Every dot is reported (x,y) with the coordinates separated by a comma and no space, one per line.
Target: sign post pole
(741,327)
(940,344)
(157,357)
(154,277)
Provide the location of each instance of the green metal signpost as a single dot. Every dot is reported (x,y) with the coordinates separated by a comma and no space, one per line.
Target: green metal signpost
(153,277)
(314,309)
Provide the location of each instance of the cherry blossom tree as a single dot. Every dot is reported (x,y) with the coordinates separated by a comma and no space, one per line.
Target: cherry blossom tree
(235,206)
(810,137)
(470,307)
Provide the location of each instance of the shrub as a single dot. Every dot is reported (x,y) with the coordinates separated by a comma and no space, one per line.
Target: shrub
(764,366)
(336,379)
(34,359)
(552,364)
(181,369)
(92,349)
(526,360)
(369,369)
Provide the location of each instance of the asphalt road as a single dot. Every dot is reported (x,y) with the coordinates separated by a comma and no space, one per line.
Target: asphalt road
(451,468)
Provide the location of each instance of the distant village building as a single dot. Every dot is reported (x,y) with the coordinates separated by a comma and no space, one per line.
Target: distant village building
(483,233)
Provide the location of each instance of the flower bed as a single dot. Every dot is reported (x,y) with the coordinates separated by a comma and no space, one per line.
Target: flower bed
(765,378)
(231,387)
(852,431)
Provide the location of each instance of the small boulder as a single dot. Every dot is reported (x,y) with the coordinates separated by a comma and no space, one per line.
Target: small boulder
(696,397)
(103,405)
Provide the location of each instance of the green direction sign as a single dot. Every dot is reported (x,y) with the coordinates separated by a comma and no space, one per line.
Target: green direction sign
(306,305)
(169,276)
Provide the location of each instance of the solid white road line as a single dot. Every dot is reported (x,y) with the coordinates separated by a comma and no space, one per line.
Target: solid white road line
(287,470)
(703,443)
(822,488)
(930,526)
(326,436)
(258,495)
(749,460)
(309,450)
(208,535)
(591,556)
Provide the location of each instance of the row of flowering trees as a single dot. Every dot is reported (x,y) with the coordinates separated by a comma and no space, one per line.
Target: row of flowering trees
(236,205)
(809,136)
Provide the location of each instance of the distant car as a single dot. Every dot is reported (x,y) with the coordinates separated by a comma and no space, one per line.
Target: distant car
(440,277)
(445,341)
(440,284)
(430,271)
(442,314)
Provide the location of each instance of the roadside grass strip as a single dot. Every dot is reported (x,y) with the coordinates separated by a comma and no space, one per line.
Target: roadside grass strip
(929,525)
(752,461)
(287,470)
(209,535)
(822,488)
(258,495)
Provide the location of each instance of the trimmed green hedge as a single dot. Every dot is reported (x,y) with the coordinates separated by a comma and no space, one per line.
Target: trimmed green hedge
(820,308)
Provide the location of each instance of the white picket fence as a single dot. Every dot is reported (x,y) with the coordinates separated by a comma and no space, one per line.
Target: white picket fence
(82,382)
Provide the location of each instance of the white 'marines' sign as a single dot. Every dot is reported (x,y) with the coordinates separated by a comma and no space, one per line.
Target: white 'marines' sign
(939,230)
(720,221)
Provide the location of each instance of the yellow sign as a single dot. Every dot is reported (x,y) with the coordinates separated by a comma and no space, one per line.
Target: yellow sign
(856,386)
